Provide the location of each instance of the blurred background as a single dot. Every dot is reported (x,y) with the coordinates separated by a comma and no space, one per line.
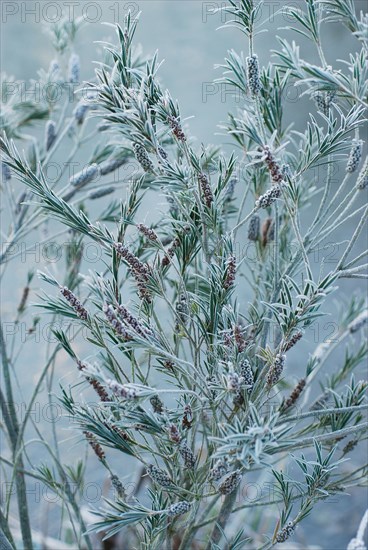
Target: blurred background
(187,36)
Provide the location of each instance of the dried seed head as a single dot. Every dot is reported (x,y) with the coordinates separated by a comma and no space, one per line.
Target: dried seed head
(240,341)
(99,452)
(142,157)
(132,260)
(117,430)
(362,181)
(254,83)
(174,433)
(182,309)
(136,325)
(74,302)
(294,396)
(157,404)
(187,417)
(99,389)
(143,291)
(293,340)
(330,96)
(88,174)
(50,134)
(187,456)
(323,101)
(230,483)
(118,486)
(286,532)
(247,374)
(219,469)
(162,152)
(268,198)
(230,272)
(140,271)
(74,69)
(169,365)
(179,508)
(355,156)
(159,476)
(272,165)
(350,446)
(170,251)
(116,324)
(253,228)
(207,195)
(227,339)
(81,366)
(148,232)
(319,99)
(23,300)
(176,128)
(276,369)
(122,391)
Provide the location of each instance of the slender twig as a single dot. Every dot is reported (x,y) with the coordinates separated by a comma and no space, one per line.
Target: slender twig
(353,239)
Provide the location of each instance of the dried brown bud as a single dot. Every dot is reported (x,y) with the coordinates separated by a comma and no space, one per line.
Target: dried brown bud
(230,272)
(230,483)
(174,433)
(187,417)
(239,338)
(74,302)
(149,233)
(95,445)
(116,324)
(206,189)
(159,476)
(187,455)
(176,128)
(275,370)
(293,340)
(290,401)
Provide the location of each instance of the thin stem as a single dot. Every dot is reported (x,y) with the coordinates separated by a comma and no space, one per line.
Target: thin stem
(244,220)
(222,518)
(324,198)
(19,476)
(192,529)
(323,412)
(359,257)
(353,239)
(306,441)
